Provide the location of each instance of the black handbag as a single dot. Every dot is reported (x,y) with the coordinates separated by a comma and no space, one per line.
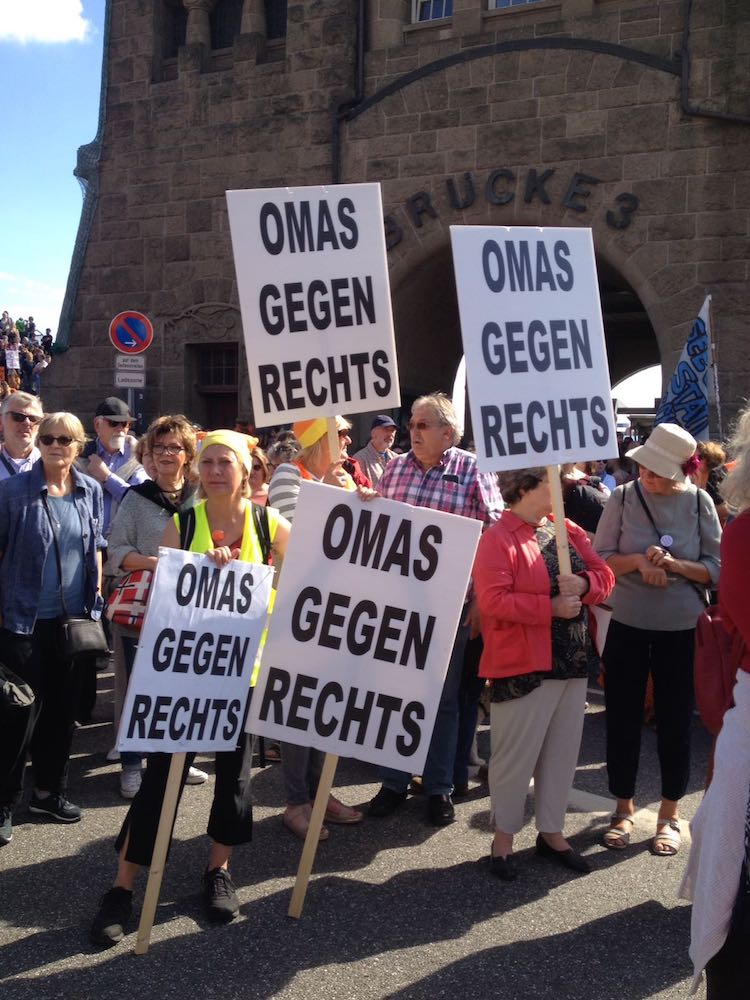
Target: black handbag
(14,692)
(80,635)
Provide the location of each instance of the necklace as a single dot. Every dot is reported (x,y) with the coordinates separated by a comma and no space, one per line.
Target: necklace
(172,495)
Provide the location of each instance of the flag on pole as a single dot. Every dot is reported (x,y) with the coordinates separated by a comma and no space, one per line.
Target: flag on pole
(685,401)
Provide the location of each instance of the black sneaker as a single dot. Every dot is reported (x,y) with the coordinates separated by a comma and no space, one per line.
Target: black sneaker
(114,912)
(385,802)
(56,806)
(219,896)
(6,825)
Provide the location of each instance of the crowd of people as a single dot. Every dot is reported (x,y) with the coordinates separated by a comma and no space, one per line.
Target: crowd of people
(24,355)
(77,516)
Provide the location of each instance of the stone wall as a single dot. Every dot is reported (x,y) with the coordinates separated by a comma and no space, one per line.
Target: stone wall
(526,135)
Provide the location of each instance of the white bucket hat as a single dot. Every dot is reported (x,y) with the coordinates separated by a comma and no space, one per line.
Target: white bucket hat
(666,451)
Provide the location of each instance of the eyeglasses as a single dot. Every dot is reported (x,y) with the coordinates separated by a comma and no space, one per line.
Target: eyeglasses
(63,439)
(21,417)
(167,449)
(118,423)
(422,425)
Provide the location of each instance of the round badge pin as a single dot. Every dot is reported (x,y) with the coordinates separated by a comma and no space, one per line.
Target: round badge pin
(666,541)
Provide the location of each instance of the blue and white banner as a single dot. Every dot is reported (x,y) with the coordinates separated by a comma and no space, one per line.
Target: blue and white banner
(685,401)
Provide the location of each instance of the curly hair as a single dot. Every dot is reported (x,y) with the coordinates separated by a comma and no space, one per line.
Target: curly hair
(174,423)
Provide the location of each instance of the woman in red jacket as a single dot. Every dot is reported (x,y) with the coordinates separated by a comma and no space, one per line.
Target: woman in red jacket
(538,654)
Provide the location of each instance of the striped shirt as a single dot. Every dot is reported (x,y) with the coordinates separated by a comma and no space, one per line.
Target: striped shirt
(283,489)
(454,485)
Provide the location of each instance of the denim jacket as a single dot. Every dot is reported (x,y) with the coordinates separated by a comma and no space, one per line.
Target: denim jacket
(26,538)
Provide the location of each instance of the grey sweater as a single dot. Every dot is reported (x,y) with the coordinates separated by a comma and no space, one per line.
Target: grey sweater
(138,526)
(625,528)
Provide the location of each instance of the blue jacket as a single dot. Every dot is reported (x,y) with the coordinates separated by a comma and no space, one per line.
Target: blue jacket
(26,538)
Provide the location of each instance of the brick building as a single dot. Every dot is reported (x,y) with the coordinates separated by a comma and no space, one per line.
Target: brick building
(627,116)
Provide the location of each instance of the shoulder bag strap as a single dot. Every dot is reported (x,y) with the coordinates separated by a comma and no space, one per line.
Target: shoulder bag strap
(645,506)
(260,519)
(12,470)
(187,527)
(57,553)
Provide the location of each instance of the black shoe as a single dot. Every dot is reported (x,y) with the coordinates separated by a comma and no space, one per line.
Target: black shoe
(503,868)
(6,825)
(440,810)
(56,806)
(568,859)
(219,896)
(461,790)
(386,802)
(114,912)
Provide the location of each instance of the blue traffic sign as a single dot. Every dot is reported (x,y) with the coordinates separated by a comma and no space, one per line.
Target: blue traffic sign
(131,332)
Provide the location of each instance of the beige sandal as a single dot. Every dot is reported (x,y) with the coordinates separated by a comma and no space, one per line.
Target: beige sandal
(298,823)
(614,838)
(338,812)
(667,841)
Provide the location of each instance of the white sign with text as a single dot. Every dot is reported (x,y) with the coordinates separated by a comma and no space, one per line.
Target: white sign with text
(196,653)
(533,337)
(315,299)
(363,627)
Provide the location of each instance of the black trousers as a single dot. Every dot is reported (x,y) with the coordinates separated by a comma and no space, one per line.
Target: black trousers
(728,972)
(231,818)
(630,655)
(45,730)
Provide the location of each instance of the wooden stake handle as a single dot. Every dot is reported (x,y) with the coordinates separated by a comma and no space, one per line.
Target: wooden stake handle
(313,834)
(558,509)
(333,439)
(159,857)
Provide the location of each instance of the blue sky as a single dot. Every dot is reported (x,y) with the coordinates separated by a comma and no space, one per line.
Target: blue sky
(51,53)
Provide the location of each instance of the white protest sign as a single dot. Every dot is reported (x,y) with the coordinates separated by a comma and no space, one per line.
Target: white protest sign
(11,358)
(363,627)
(195,658)
(533,336)
(315,299)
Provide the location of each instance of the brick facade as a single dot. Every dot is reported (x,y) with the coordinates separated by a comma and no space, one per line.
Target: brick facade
(556,114)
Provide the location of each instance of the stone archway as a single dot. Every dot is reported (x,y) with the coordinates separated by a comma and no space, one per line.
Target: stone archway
(428,335)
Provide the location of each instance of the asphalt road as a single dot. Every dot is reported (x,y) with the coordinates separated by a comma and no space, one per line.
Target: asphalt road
(395,908)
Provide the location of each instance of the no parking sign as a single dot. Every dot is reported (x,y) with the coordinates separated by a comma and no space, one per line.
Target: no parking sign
(131,332)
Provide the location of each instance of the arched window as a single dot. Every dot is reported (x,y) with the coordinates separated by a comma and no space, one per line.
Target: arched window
(275,19)
(225,21)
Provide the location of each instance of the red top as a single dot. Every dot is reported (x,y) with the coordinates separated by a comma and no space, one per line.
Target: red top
(734,591)
(513,590)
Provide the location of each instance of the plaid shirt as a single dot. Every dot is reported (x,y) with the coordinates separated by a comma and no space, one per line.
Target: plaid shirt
(453,485)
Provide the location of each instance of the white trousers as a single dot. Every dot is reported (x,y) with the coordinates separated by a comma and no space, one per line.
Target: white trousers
(536,736)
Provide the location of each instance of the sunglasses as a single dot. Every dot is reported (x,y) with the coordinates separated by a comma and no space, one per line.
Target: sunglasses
(118,423)
(21,417)
(167,449)
(257,467)
(421,425)
(63,439)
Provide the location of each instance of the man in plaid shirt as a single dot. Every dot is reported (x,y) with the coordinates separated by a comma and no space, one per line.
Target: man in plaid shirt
(437,474)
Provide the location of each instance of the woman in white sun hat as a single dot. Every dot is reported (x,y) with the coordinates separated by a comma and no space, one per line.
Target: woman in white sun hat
(660,536)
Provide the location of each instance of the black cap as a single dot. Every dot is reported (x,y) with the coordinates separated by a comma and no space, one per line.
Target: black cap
(382,420)
(113,409)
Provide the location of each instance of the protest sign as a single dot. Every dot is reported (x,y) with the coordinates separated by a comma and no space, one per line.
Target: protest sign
(12,362)
(196,652)
(315,300)
(533,337)
(363,627)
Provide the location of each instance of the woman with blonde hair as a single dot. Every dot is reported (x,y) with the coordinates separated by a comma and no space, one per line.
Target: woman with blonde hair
(303,765)
(50,567)
(224,527)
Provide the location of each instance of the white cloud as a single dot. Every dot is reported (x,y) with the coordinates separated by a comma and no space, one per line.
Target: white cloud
(48,21)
